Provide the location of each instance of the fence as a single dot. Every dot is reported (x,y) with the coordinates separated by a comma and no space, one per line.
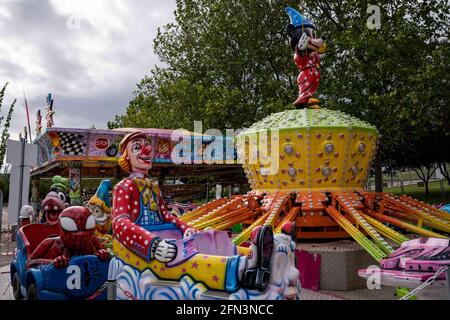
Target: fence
(404,184)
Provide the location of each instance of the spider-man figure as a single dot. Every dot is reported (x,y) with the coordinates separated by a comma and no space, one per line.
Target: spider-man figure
(77,227)
(306,57)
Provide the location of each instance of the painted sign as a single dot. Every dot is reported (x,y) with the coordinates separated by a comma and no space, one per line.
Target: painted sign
(64,144)
(101,143)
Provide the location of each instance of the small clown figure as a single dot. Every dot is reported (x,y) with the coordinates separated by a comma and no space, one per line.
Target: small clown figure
(307,49)
(100,207)
(148,237)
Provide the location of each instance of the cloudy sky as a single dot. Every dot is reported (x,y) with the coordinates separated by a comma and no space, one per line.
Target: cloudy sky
(88,53)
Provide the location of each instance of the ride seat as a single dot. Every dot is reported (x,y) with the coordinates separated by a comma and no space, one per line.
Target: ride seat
(33,234)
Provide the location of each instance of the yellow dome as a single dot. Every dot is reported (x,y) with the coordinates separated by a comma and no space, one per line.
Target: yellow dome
(307,149)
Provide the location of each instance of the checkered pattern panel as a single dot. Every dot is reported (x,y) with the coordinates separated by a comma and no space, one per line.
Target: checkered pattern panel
(72,144)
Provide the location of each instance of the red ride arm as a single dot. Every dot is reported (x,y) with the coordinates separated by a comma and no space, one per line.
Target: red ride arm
(135,238)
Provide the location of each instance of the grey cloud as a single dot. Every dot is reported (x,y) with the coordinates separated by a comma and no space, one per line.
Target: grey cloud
(81,97)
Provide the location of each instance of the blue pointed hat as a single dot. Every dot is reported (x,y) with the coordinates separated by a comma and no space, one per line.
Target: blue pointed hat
(297,20)
(103,192)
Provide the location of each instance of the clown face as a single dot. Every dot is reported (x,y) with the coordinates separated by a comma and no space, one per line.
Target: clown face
(101,218)
(140,155)
(77,227)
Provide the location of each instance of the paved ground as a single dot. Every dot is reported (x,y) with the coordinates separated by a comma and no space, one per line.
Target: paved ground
(5,287)
(386,293)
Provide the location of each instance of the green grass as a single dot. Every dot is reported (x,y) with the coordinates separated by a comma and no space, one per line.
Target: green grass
(435,196)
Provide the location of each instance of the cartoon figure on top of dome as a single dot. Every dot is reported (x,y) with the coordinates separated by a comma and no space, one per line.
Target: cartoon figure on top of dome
(307,49)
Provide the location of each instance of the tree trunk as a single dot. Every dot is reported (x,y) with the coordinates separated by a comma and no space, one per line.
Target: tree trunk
(427,192)
(378,172)
(444,171)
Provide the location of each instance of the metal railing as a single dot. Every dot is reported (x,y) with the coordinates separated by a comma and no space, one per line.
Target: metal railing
(403,184)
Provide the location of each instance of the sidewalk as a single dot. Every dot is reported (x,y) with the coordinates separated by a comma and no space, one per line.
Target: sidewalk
(5,287)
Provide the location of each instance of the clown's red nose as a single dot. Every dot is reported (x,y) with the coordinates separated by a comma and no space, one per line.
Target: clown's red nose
(147,150)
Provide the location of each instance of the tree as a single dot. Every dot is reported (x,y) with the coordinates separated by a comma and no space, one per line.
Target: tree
(443,167)
(395,77)
(226,63)
(229,64)
(5,131)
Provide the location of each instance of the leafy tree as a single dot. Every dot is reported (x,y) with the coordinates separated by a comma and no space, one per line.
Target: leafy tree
(228,63)
(5,131)
(395,77)
(443,167)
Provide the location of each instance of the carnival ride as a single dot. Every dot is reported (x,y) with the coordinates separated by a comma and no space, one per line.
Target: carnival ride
(307,169)
(310,165)
(414,263)
(39,279)
(324,158)
(158,256)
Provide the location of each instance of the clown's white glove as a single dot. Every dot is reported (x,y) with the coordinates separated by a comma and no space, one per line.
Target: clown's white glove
(303,42)
(165,251)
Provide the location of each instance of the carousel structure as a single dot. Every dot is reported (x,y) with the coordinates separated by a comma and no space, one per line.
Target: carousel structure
(310,165)
(324,161)
(307,168)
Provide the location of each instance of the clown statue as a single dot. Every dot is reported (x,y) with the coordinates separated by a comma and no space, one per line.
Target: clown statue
(307,49)
(100,207)
(150,240)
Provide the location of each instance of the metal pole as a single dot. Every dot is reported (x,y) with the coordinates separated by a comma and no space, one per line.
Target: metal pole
(1,213)
(448,281)
(207,189)
(111,290)
(22,165)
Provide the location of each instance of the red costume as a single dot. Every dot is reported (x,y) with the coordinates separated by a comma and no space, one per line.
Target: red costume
(127,210)
(77,227)
(309,77)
